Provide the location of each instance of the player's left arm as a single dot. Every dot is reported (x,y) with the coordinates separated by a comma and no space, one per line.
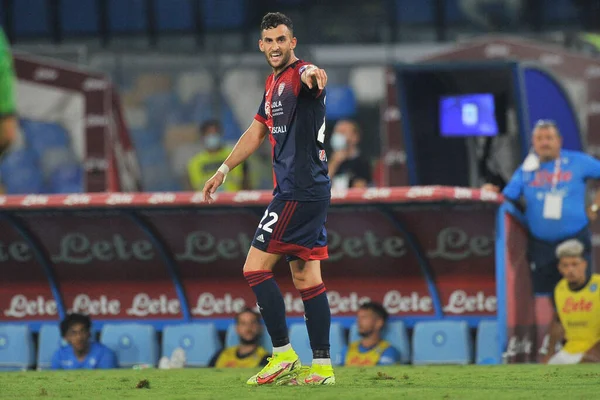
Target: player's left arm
(314,77)
(390,356)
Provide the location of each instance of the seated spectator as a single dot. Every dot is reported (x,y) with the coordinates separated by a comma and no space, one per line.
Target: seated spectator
(347,167)
(577,309)
(371,350)
(203,165)
(81,352)
(248,354)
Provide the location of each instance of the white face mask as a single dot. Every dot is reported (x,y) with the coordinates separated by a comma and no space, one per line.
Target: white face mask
(338,141)
(212,141)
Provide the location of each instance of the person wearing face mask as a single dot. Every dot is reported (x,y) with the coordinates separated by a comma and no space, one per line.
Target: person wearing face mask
(552,181)
(347,167)
(202,166)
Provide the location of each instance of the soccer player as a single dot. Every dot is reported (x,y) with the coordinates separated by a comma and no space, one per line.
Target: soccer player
(371,349)
(292,114)
(577,305)
(81,353)
(248,354)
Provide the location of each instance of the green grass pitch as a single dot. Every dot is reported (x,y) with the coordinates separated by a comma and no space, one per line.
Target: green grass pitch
(404,382)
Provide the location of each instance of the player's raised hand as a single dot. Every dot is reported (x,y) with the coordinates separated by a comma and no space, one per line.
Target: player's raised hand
(316,77)
(211,186)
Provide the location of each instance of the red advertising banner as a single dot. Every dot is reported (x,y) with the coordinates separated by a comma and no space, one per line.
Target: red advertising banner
(110,254)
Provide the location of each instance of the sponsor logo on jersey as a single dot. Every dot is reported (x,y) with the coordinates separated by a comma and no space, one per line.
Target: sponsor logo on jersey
(279,129)
(574,305)
(261,238)
(322,155)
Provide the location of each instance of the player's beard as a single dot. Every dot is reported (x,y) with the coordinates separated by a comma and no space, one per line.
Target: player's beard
(285,59)
(254,340)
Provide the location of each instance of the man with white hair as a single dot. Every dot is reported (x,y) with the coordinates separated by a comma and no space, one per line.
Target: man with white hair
(577,309)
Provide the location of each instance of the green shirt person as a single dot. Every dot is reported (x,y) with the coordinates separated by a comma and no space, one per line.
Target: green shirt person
(8,109)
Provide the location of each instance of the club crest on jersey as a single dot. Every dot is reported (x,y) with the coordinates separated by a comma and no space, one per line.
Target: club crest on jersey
(322,155)
(280,88)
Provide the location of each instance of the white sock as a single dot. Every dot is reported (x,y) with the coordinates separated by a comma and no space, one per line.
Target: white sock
(282,348)
(322,361)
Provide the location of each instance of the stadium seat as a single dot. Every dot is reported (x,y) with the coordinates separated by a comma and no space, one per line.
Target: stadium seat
(442,342)
(233,339)
(133,343)
(145,138)
(300,342)
(16,347)
(21,173)
(411,12)
(341,102)
(127,16)
(199,341)
(395,333)
(223,14)
(67,178)
(40,136)
(174,15)
(79,16)
(198,109)
(163,109)
(49,340)
(193,82)
(487,346)
(31,18)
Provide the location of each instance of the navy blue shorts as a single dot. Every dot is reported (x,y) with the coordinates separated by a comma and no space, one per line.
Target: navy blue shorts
(295,229)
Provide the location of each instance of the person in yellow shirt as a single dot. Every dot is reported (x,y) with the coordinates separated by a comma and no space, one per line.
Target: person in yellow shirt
(577,309)
(248,354)
(371,349)
(203,165)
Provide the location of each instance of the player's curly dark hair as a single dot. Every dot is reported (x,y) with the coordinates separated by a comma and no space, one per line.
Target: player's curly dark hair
(274,19)
(377,308)
(73,319)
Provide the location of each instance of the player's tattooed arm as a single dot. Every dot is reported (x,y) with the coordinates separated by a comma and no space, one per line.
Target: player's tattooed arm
(248,143)
(314,77)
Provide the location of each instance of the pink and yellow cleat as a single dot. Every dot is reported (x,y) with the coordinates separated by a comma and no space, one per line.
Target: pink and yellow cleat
(280,369)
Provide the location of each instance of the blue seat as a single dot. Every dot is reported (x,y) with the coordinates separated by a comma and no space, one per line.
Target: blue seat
(174,15)
(79,16)
(301,343)
(487,343)
(395,333)
(415,12)
(145,137)
(16,347)
(341,102)
(199,341)
(49,340)
(163,109)
(199,108)
(132,343)
(233,339)
(224,14)
(231,129)
(127,16)
(67,178)
(43,135)
(152,155)
(442,342)
(31,18)
(21,173)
